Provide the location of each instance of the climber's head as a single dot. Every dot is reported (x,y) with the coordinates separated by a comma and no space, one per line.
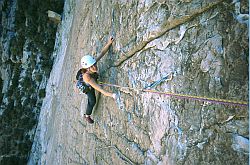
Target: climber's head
(88,62)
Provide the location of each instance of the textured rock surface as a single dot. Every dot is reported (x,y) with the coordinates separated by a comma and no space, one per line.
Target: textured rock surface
(208,56)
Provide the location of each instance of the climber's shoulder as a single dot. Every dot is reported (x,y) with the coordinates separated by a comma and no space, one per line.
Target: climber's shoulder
(86,77)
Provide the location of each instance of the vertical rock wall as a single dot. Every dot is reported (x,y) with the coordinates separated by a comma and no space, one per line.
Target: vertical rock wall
(202,44)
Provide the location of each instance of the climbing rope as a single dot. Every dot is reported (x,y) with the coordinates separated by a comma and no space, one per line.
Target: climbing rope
(183,96)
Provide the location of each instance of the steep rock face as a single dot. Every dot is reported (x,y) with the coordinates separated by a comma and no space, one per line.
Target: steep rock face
(202,44)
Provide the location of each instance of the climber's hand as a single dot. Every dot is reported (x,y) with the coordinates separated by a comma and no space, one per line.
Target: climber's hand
(110,41)
(114,96)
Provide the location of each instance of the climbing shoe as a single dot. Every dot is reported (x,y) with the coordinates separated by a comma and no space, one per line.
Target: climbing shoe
(88,118)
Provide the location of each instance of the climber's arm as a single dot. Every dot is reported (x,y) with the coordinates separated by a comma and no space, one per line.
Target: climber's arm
(105,48)
(96,86)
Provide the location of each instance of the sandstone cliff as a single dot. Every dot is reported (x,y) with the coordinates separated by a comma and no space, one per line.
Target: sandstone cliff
(203,44)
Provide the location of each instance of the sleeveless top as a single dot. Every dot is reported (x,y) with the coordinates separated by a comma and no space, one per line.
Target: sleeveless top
(83,86)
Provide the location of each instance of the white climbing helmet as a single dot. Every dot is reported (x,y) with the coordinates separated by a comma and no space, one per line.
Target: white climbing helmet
(87,61)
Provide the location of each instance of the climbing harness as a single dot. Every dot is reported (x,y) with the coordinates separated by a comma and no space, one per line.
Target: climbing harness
(183,96)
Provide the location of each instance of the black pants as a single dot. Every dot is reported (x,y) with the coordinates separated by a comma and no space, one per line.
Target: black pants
(91,101)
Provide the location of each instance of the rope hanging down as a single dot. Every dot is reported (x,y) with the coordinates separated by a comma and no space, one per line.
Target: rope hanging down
(183,96)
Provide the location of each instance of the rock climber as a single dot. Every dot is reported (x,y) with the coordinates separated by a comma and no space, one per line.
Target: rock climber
(89,75)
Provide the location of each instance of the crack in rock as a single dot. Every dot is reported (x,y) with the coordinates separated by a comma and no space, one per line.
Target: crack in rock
(169,25)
